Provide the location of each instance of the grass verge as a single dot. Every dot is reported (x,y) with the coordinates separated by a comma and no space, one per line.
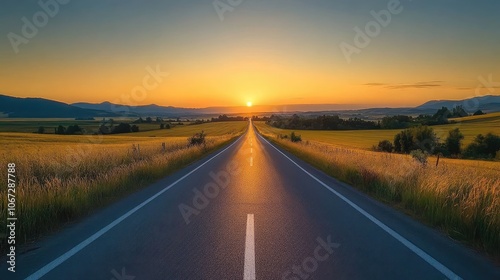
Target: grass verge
(54,189)
(462,200)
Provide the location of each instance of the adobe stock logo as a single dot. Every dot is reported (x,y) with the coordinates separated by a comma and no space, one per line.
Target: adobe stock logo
(211,190)
(310,264)
(30,28)
(363,37)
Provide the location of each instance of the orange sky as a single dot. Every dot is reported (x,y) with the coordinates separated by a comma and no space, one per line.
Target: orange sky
(259,53)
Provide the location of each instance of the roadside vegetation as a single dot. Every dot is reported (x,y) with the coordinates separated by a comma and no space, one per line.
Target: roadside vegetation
(461,197)
(470,127)
(61,178)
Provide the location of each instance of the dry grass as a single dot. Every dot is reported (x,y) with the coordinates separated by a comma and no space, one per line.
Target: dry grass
(61,178)
(459,196)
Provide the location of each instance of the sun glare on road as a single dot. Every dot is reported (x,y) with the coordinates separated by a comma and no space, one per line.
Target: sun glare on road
(249,104)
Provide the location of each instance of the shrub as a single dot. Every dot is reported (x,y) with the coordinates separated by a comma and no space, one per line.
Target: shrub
(385,146)
(134,128)
(419,156)
(295,138)
(197,139)
(454,141)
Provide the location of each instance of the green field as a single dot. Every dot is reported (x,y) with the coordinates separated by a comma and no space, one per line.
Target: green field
(365,139)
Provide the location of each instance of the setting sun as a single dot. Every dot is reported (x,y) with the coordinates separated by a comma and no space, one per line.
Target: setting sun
(249,104)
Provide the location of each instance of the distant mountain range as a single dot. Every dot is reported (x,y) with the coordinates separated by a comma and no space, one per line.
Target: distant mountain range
(15,107)
(485,103)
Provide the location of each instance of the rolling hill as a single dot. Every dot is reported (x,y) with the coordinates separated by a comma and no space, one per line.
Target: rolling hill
(488,103)
(15,107)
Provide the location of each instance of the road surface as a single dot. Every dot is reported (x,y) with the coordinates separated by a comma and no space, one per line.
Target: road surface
(249,211)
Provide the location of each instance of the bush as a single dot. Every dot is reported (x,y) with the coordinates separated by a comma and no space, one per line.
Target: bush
(385,146)
(197,139)
(134,128)
(295,138)
(419,156)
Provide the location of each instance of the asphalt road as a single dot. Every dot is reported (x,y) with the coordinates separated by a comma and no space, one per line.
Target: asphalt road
(250,211)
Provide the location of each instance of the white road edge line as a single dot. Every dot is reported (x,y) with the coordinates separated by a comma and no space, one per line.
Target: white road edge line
(426,257)
(251,161)
(249,268)
(50,266)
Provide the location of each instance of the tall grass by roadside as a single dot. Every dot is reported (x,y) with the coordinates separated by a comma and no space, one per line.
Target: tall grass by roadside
(461,199)
(55,186)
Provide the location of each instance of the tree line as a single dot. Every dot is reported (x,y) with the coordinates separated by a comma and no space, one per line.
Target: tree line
(424,139)
(334,122)
(320,123)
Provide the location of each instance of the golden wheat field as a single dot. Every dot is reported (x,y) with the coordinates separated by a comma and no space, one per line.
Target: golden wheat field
(461,197)
(60,178)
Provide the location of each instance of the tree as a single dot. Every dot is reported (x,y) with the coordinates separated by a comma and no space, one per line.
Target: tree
(459,112)
(478,113)
(103,129)
(122,128)
(397,143)
(162,126)
(385,146)
(425,138)
(74,129)
(453,142)
(149,120)
(61,130)
(134,128)
(442,115)
(41,130)
(483,146)
(419,137)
